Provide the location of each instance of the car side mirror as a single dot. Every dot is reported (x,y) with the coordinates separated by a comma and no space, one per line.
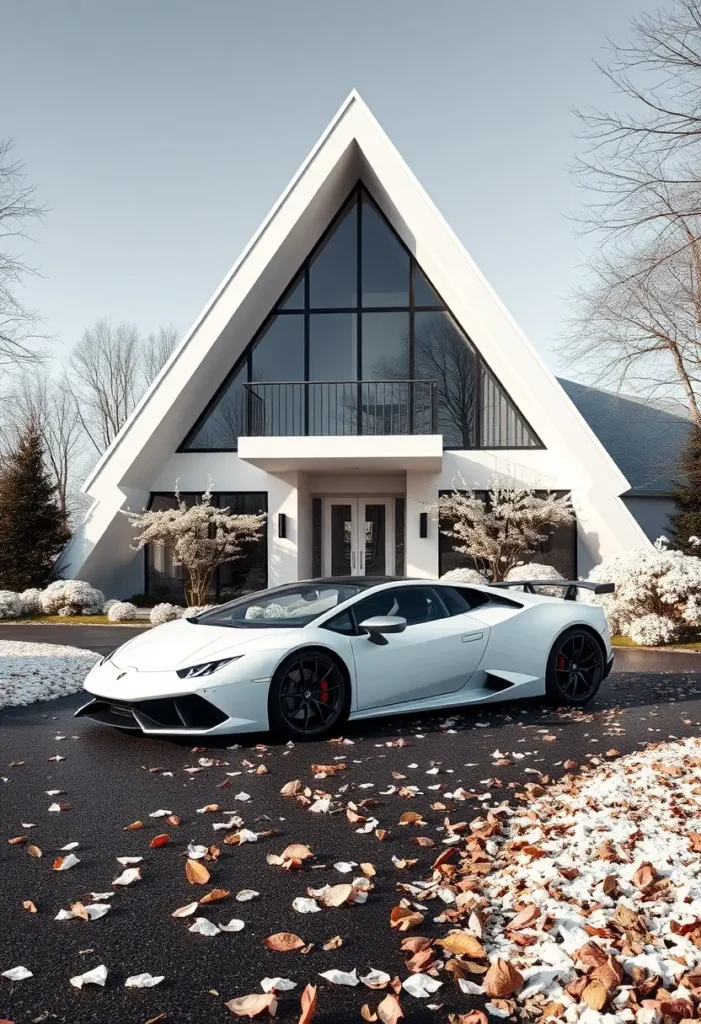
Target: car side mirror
(378,625)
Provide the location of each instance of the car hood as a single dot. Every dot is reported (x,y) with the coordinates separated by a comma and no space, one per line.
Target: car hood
(180,642)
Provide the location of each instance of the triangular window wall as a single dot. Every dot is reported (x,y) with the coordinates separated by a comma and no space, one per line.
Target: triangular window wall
(361,343)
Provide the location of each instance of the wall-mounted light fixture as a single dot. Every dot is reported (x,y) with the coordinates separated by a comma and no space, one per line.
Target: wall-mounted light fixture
(423,524)
(281,524)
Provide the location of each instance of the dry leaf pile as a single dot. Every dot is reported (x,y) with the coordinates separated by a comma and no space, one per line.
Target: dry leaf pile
(583,903)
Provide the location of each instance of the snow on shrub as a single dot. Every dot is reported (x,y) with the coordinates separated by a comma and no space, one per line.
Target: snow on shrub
(31,601)
(122,611)
(10,605)
(72,597)
(165,612)
(464,576)
(657,597)
(196,609)
(536,571)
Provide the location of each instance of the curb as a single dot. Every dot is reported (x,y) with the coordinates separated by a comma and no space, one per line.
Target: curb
(631,659)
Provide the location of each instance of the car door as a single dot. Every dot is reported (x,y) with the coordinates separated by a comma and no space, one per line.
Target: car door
(437,652)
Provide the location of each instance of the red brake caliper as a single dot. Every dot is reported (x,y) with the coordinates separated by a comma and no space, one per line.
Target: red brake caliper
(323,687)
(561,661)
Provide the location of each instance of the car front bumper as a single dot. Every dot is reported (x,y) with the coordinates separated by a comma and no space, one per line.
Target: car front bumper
(161,703)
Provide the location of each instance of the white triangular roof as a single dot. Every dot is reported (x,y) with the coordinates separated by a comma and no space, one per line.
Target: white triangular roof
(353,146)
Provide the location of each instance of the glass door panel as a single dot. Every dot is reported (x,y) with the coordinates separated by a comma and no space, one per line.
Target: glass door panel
(374,557)
(342,540)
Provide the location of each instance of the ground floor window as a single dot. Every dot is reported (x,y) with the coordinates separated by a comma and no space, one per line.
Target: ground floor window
(245,575)
(559,550)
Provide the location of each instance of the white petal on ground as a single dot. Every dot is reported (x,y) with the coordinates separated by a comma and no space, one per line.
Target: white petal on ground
(277,984)
(421,986)
(233,822)
(31,672)
(469,987)
(321,806)
(97,896)
(196,852)
(246,836)
(202,926)
(68,862)
(17,974)
(304,905)
(97,910)
(344,866)
(246,894)
(375,978)
(98,976)
(69,846)
(341,977)
(234,925)
(143,980)
(160,813)
(128,877)
(243,797)
(128,860)
(54,807)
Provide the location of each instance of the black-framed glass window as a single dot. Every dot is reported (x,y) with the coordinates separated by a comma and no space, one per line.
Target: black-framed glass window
(558,550)
(361,309)
(246,574)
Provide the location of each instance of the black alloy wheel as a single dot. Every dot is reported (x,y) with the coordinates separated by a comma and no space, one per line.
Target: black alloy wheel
(575,668)
(309,695)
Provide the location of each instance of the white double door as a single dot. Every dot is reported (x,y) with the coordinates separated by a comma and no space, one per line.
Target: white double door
(358,536)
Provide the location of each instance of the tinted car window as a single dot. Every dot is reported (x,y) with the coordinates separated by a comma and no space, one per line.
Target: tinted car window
(415,604)
(342,623)
(456,601)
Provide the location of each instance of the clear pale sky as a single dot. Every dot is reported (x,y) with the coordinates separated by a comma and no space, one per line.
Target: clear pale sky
(160,132)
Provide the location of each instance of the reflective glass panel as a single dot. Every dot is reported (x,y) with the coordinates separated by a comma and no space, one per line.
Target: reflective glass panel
(443,353)
(385,261)
(226,421)
(333,274)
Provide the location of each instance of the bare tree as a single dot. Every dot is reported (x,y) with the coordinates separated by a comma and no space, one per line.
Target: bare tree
(638,319)
(19,325)
(103,377)
(156,349)
(46,404)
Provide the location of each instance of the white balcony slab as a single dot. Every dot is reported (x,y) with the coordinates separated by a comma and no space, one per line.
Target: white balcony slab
(367,453)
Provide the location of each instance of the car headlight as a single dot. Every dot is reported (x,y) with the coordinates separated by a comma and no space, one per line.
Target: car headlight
(206,669)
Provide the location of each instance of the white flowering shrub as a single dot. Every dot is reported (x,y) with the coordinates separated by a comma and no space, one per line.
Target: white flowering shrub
(10,605)
(31,601)
(536,571)
(195,609)
(165,612)
(657,597)
(72,597)
(122,611)
(255,612)
(108,604)
(464,576)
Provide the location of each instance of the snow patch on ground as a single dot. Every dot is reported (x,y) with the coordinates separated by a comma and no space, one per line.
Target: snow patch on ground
(31,672)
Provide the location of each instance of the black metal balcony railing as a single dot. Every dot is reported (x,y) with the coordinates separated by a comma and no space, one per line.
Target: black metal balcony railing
(337,408)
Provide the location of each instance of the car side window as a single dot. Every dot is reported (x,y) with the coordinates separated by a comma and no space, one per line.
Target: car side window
(456,601)
(342,623)
(415,604)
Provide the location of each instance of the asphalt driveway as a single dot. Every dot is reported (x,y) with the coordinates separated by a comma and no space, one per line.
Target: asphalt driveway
(110,779)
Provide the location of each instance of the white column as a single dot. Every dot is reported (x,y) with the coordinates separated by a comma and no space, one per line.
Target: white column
(421,552)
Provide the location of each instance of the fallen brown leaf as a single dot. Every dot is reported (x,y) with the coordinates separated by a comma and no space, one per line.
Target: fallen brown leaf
(645,875)
(334,943)
(308,1004)
(411,818)
(368,870)
(525,919)
(30,906)
(389,1011)
(595,995)
(283,942)
(215,895)
(33,851)
(402,918)
(159,841)
(135,825)
(196,873)
(18,840)
(502,979)
(336,895)
(465,944)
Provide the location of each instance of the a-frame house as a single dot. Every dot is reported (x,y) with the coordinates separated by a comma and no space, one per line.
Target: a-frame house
(353,363)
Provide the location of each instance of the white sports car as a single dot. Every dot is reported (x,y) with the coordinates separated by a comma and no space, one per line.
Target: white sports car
(302,659)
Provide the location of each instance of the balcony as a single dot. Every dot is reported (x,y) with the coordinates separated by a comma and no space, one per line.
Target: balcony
(364,425)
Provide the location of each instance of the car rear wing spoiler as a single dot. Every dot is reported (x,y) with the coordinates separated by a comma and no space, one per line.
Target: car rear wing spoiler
(570,586)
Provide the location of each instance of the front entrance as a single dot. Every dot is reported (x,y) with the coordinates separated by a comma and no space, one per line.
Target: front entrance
(359,537)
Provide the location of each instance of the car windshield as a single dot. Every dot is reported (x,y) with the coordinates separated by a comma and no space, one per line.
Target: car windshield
(292,606)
